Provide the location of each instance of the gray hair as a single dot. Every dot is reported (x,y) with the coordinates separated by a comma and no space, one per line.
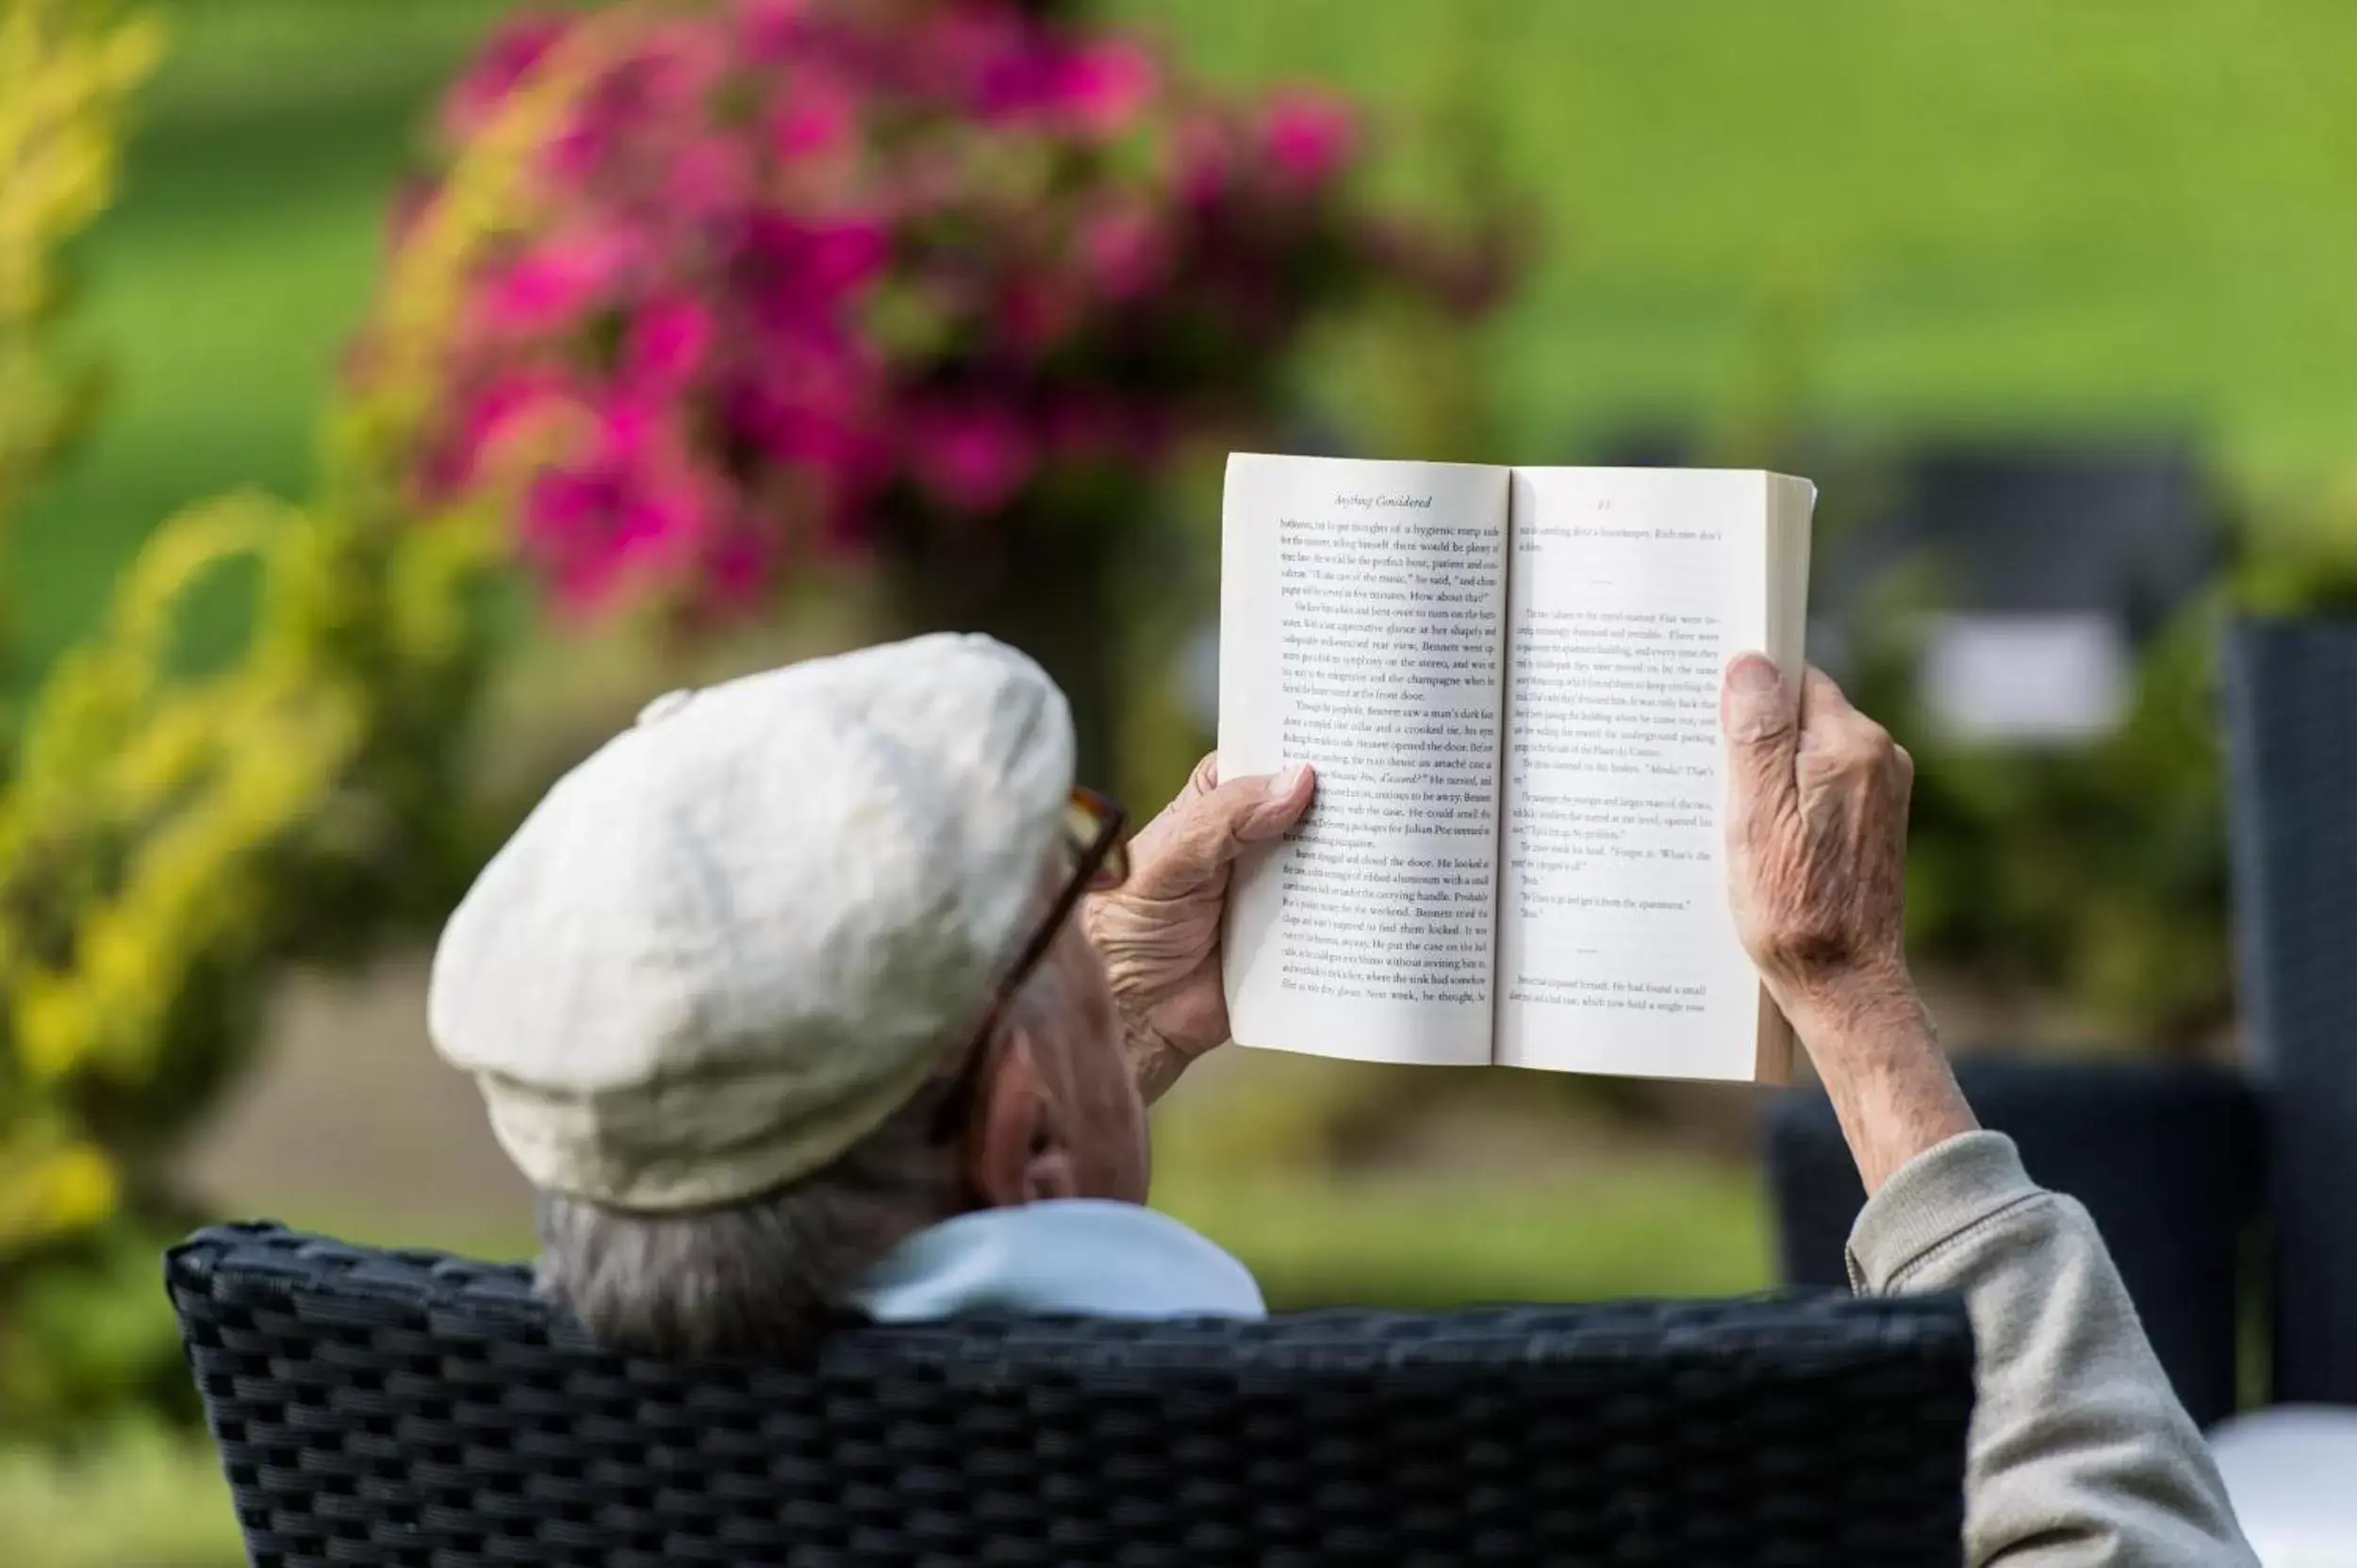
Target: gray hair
(764,1279)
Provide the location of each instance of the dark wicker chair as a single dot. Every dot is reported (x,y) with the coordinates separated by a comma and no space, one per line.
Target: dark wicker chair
(408,1409)
(2291,730)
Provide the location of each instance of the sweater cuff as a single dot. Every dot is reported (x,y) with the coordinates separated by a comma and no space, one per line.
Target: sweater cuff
(1933,1197)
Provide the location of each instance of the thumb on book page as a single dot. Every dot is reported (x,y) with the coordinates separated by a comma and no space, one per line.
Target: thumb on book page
(1761,715)
(1283,799)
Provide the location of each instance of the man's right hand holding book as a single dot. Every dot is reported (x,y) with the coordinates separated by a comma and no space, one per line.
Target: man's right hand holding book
(2079,1451)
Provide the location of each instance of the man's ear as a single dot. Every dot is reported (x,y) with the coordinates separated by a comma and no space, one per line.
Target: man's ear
(1018,1152)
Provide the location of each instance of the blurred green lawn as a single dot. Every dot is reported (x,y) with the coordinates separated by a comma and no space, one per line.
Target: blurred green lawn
(2017,213)
(221,287)
(2028,214)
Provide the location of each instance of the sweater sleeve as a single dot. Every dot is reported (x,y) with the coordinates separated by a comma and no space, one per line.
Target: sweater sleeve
(2080,1453)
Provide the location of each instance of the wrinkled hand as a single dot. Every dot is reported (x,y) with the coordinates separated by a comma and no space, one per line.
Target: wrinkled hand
(1817,831)
(1158,932)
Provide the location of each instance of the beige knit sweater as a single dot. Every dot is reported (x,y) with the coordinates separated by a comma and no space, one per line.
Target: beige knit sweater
(2081,1454)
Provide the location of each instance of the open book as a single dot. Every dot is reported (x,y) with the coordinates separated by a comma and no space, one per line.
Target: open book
(1508,680)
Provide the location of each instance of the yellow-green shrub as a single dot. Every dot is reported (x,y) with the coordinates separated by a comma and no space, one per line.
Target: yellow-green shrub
(169,840)
(66,69)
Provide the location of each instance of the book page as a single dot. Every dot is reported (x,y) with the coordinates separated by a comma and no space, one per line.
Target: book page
(1631,588)
(1361,630)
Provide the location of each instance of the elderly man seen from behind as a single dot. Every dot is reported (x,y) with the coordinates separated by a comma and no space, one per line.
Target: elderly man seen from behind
(823,996)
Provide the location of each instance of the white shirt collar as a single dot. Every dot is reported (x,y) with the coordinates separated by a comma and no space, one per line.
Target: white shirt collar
(1078,1257)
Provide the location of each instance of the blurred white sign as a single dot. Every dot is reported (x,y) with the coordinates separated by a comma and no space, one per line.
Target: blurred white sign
(2034,679)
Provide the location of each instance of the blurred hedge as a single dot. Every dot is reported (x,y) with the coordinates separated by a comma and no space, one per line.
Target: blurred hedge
(171,838)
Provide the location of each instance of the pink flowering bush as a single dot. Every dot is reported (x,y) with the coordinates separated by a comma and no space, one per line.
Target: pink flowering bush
(802,280)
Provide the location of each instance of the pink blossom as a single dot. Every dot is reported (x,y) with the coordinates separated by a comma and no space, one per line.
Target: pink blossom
(634,505)
(1099,87)
(507,413)
(1129,252)
(565,515)
(815,120)
(798,265)
(630,429)
(582,143)
(1104,86)
(972,458)
(772,27)
(613,116)
(554,283)
(662,520)
(710,175)
(514,48)
(807,279)
(679,68)
(798,416)
(985,55)
(1011,85)
(1310,136)
(668,341)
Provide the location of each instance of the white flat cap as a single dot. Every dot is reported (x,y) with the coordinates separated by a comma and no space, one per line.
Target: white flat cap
(734,940)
